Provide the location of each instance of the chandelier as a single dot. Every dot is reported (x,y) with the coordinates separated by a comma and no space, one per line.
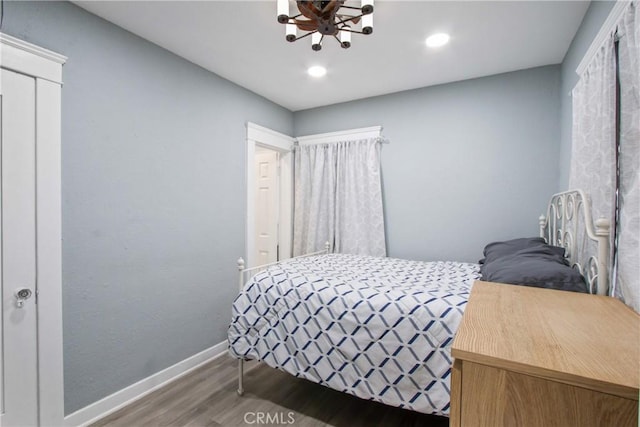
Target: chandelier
(331,18)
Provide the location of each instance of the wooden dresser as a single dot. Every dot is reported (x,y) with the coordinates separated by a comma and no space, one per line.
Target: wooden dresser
(537,357)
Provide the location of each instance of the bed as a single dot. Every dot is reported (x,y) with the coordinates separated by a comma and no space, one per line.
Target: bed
(381,328)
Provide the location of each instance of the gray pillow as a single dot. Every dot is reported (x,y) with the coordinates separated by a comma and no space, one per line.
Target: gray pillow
(496,250)
(543,266)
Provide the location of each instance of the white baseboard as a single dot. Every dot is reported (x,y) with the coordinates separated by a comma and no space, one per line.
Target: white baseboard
(102,408)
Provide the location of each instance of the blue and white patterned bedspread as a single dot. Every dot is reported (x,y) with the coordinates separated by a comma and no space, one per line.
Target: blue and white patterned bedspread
(377,328)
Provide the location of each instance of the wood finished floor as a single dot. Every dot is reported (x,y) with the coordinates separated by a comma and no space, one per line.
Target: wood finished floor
(207,397)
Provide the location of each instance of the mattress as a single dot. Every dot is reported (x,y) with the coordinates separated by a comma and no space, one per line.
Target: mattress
(377,328)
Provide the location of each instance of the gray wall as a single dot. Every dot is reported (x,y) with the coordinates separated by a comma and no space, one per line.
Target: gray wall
(468,162)
(153,198)
(150,236)
(591,23)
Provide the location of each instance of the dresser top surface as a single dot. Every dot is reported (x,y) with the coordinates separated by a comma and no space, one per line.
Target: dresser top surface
(585,340)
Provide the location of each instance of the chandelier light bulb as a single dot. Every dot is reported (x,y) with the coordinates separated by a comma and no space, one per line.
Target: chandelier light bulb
(291,32)
(283,11)
(316,41)
(345,37)
(437,40)
(366,6)
(367,24)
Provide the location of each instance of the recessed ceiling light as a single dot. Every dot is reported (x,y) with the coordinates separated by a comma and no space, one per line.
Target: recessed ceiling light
(437,40)
(317,71)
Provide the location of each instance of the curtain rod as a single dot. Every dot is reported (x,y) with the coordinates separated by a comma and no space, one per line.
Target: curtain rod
(360,133)
(607,27)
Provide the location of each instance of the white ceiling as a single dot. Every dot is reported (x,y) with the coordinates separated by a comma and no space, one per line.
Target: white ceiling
(242,42)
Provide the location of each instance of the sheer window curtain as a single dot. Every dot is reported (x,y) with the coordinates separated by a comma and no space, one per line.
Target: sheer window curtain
(338,198)
(627,279)
(593,151)
(593,156)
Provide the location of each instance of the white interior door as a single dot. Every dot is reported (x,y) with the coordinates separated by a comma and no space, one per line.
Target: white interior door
(266,206)
(260,139)
(19,365)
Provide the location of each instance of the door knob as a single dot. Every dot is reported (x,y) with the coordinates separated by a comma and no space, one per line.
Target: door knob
(22,295)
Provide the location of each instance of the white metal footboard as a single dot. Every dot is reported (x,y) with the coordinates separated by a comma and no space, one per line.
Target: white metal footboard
(243,276)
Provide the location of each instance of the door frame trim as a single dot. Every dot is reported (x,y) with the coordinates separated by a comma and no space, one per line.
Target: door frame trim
(46,68)
(262,136)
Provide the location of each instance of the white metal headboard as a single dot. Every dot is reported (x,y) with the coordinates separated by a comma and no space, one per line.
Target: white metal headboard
(569,224)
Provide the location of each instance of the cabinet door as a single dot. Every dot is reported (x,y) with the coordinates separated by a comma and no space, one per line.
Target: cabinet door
(495,397)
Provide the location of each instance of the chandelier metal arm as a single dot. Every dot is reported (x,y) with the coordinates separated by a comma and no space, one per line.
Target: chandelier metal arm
(305,35)
(350,7)
(351,31)
(349,19)
(340,22)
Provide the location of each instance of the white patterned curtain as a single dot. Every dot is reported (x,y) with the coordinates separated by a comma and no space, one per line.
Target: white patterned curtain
(593,149)
(314,197)
(338,198)
(627,279)
(593,156)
